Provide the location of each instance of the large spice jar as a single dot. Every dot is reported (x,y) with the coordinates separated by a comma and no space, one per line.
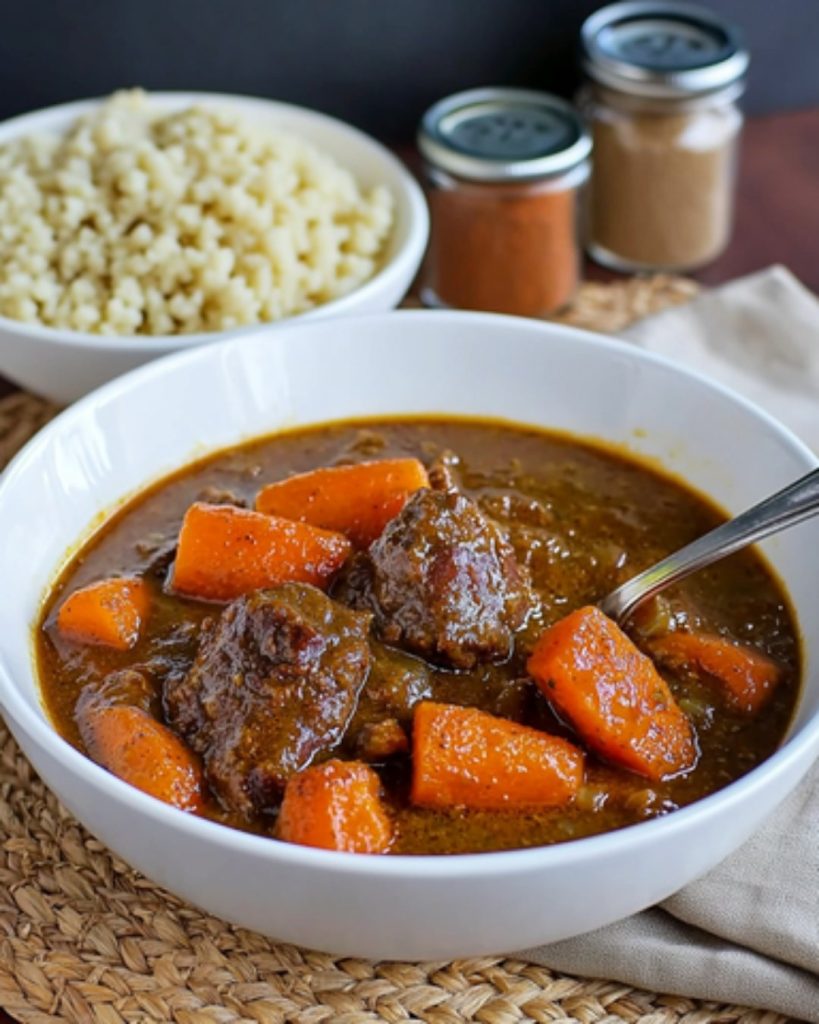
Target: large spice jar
(504,169)
(661,100)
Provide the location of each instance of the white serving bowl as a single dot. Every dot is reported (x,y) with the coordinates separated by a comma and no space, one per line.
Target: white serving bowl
(154,420)
(63,365)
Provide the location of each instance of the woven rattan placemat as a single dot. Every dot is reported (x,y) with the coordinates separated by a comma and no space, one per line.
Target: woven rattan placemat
(83,938)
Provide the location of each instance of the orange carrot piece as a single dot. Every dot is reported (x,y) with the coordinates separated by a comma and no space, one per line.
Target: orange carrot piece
(356,500)
(748,676)
(224,552)
(109,613)
(463,757)
(141,751)
(336,806)
(612,695)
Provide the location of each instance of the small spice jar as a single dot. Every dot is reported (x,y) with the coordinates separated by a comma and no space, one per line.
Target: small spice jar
(503,169)
(661,100)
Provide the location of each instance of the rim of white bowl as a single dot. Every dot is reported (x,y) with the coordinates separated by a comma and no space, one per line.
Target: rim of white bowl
(407,866)
(405,259)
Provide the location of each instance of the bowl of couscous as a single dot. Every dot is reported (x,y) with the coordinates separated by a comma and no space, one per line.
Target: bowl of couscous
(139,224)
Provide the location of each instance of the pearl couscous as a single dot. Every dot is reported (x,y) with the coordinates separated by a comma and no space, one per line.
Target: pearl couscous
(197,220)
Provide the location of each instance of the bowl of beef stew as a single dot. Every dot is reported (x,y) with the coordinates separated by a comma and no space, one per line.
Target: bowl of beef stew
(306,629)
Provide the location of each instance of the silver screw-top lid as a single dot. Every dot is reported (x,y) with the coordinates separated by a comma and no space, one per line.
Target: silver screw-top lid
(501,134)
(665,50)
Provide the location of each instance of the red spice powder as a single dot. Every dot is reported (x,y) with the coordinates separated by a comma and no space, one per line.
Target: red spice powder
(508,248)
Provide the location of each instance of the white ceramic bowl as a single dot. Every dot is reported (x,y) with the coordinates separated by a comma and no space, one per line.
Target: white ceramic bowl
(138,428)
(64,365)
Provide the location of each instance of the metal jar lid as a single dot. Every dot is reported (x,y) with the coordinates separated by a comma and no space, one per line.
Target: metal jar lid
(501,134)
(665,50)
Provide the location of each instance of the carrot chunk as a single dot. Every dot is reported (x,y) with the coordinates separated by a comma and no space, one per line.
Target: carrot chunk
(109,613)
(136,748)
(336,806)
(356,500)
(612,695)
(224,552)
(748,676)
(463,757)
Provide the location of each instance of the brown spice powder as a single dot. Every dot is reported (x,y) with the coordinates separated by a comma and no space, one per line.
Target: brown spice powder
(504,248)
(662,188)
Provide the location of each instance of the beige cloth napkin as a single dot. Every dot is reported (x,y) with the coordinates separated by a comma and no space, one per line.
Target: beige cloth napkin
(748,932)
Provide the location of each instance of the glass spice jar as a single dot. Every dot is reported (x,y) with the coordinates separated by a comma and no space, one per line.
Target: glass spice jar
(661,101)
(503,169)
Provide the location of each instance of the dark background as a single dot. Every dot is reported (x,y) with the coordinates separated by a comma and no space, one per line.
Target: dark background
(377,63)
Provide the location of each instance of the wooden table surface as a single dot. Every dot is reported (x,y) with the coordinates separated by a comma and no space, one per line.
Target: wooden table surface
(777,200)
(777,211)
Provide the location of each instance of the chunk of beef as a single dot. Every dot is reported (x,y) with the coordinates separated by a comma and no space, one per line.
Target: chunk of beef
(274,684)
(442,581)
(379,741)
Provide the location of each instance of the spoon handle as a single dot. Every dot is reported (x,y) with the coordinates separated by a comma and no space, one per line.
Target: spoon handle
(798,501)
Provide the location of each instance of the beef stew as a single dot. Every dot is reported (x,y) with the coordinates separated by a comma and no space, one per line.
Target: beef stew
(404,654)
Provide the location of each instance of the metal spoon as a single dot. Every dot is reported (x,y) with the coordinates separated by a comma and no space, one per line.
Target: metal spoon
(798,501)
